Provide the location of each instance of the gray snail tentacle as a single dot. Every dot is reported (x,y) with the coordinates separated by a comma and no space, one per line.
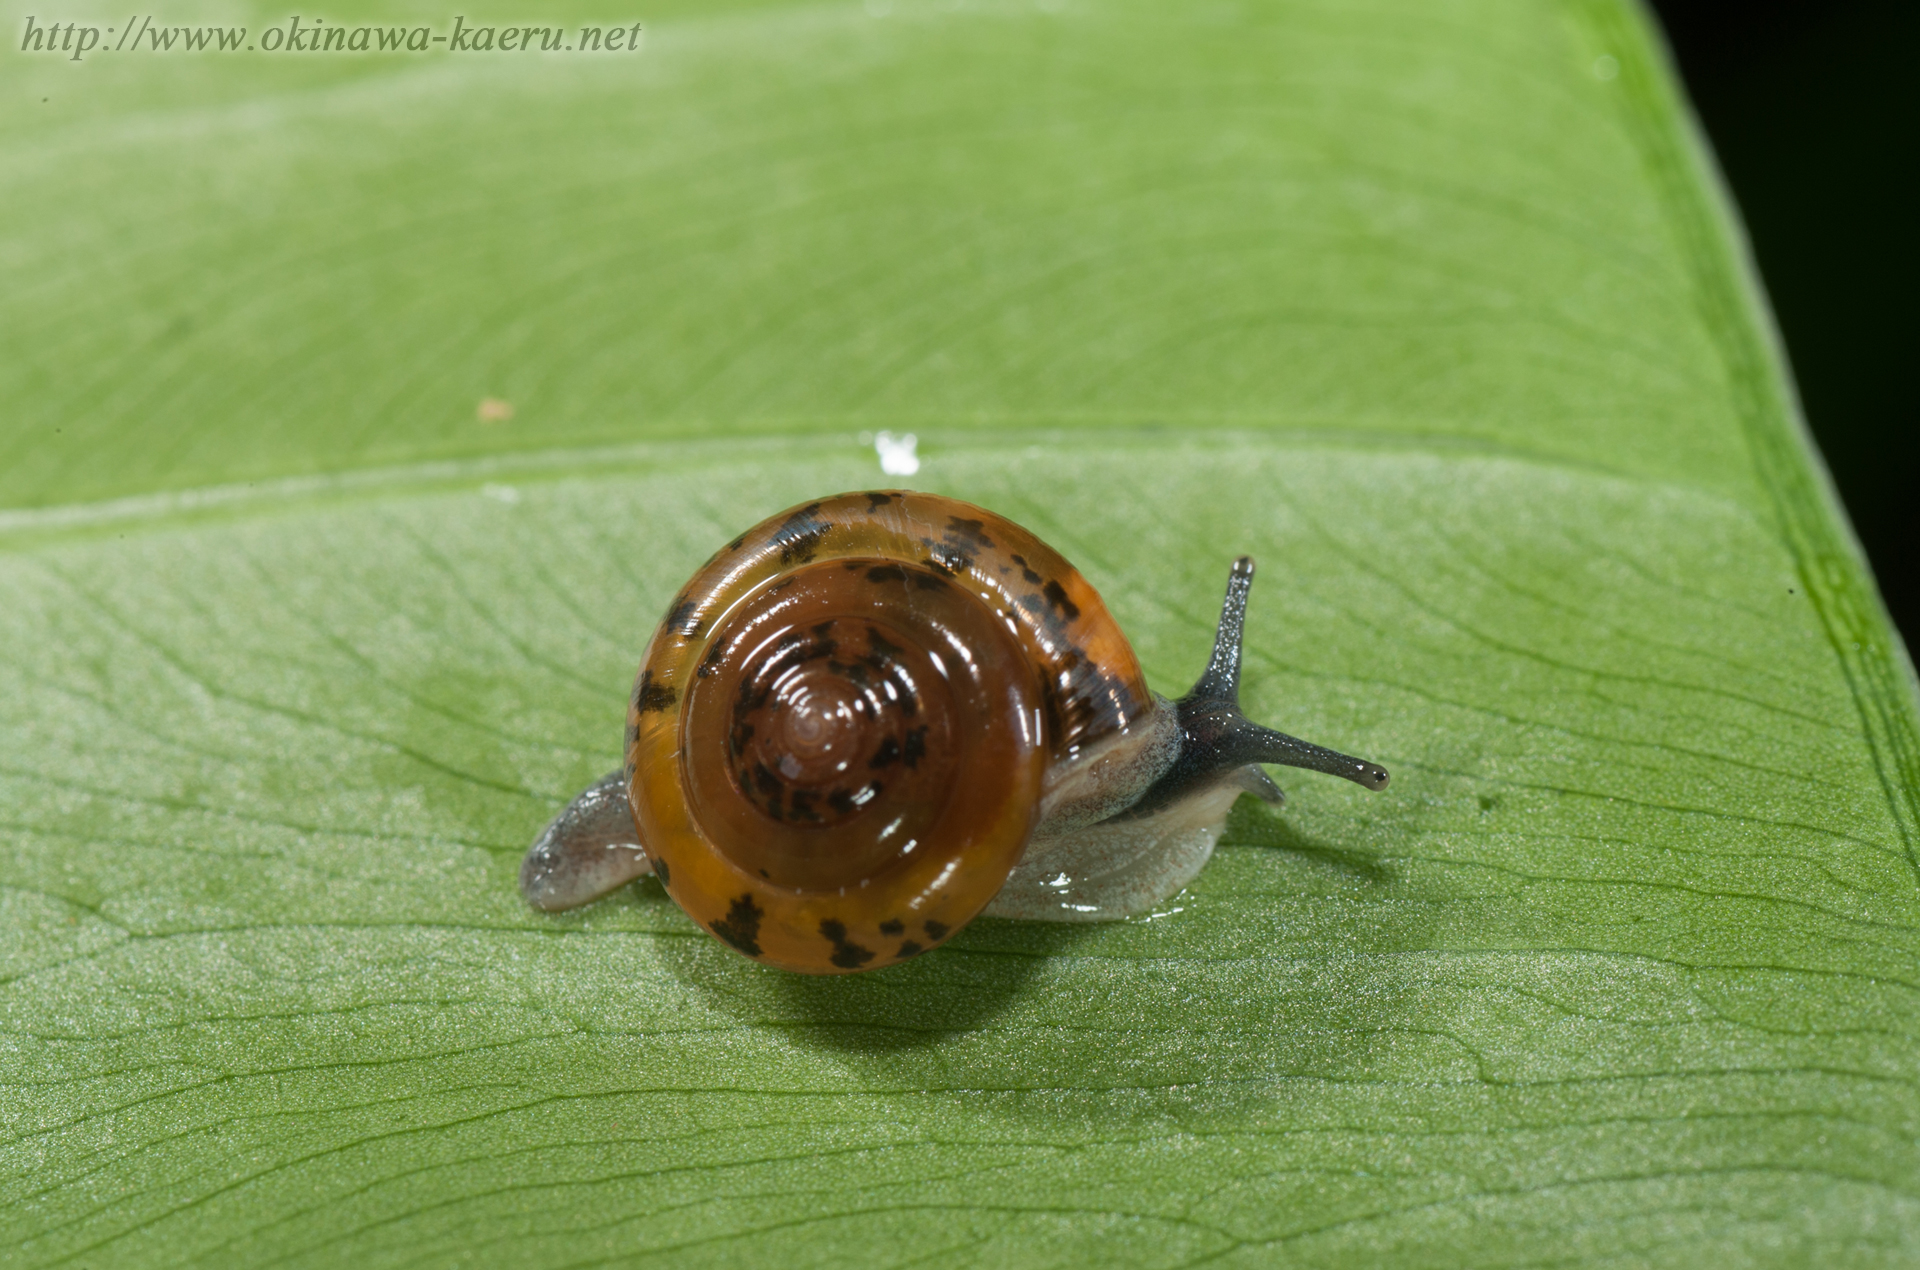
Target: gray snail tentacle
(1218,740)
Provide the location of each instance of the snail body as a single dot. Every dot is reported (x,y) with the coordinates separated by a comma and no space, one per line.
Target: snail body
(871,718)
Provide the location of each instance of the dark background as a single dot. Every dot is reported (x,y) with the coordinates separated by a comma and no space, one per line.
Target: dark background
(1810,108)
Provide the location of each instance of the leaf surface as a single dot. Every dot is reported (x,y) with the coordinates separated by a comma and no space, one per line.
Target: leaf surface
(1435,311)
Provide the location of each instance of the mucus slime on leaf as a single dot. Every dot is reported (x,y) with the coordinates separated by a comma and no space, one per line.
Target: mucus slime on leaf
(871,718)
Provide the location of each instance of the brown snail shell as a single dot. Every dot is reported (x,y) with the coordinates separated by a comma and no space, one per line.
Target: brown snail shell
(855,718)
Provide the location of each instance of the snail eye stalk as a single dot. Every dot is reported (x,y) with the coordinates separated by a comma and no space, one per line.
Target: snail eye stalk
(1218,740)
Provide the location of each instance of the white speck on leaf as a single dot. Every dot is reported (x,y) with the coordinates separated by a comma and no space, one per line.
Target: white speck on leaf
(896,453)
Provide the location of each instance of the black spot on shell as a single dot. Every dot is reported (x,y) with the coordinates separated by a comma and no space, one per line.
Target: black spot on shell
(892,926)
(855,671)
(1083,696)
(936,931)
(800,534)
(928,582)
(680,618)
(915,747)
(908,949)
(888,753)
(1057,597)
(1026,570)
(951,559)
(770,787)
(877,500)
(741,926)
(884,649)
(959,546)
(971,532)
(649,696)
(737,543)
(846,955)
(847,803)
(886,573)
(1046,616)
(750,698)
(661,871)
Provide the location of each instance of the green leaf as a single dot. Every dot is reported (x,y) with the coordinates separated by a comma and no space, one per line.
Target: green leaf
(1435,310)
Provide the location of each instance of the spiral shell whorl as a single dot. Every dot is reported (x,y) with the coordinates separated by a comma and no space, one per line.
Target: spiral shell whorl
(839,735)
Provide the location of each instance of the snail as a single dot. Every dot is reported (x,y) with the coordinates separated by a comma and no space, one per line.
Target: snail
(873,717)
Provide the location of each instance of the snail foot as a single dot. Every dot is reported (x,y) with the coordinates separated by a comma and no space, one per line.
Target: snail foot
(589,849)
